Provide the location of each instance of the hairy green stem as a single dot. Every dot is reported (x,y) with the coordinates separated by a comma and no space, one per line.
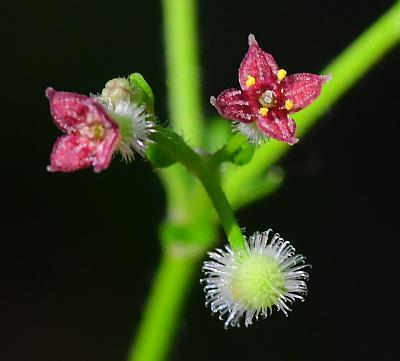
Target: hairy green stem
(346,70)
(171,143)
(223,208)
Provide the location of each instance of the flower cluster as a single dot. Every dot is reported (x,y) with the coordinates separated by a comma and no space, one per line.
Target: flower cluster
(261,108)
(243,284)
(249,284)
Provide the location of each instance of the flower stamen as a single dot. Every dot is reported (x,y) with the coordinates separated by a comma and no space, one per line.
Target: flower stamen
(288,104)
(281,74)
(250,81)
(263,111)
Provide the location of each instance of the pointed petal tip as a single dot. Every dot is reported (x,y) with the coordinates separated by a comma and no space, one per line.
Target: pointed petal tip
(50,169)
(258,64)
(213,101)
(252,40)
(50,92)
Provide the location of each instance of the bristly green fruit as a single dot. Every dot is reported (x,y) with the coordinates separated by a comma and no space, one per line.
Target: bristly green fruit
(248,284)
(257,282)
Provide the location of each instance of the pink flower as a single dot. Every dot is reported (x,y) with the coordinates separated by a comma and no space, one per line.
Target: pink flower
(267,97)
(91,135)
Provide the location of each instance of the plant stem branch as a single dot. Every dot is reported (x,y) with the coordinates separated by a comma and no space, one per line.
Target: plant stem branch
(173,144)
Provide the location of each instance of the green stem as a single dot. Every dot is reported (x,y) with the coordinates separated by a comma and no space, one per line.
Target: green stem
(346,70)
(181,39)
(224,210)
(160,318)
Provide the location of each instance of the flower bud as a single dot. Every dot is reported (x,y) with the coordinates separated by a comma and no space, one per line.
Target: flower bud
(117,90)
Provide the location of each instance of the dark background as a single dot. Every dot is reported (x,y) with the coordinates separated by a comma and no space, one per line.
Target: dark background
(80,250)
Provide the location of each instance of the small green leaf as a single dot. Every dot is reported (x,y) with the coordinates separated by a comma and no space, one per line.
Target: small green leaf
(158,157)
(142,92)
(244,154)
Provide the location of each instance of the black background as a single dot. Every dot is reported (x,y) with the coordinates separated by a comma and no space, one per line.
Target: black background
(80,250)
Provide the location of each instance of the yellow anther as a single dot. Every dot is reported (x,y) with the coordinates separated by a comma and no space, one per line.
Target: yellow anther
(288,104)
(251,80)
(263,111)
(281,74)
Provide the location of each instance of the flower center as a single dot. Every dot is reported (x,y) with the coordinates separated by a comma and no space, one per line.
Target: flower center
(98,131)
(94,131)
(267,99)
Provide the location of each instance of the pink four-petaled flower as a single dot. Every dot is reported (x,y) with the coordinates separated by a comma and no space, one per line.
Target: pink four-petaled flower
(267,95)
(91,135)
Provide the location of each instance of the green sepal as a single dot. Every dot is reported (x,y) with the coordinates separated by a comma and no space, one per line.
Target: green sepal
(160,153)
(158,157)
(244,154)
(142,92)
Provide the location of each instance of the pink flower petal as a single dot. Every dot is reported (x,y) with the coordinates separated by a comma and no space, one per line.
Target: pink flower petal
(276,124)
(71,110)
(233,104)
(105,150)
(302,89)
(71,153)
(258,64)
